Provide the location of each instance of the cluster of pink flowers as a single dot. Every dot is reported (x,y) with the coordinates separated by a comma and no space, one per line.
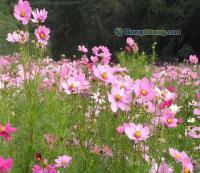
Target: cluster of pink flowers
(18,37)
(180,74)
(23,13)
(116,89)
(196,105)
(5,132)
(183,158)
(104,151)
(61,162)
(101,54)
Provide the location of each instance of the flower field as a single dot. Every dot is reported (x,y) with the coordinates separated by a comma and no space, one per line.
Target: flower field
(90,114)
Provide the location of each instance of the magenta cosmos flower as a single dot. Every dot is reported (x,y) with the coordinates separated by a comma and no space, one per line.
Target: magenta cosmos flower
(168,119)
(193,59)
(103,72)
(5,165)
(119,99)
(137,132)
(22,11)
(5,131)
(42,34)
(144,89)
(39,16)
(63,161)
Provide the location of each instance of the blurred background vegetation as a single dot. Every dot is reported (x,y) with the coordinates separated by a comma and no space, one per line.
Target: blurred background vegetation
(92,22)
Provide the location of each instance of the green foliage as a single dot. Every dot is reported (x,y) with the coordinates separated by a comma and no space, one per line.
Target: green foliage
(7,24)
(138,63)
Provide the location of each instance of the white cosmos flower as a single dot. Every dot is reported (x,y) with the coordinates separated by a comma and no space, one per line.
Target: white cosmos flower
(174,108)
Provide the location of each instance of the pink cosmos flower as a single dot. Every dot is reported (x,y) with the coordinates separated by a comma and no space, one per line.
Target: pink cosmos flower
(131,46)
(107,151)
(22,11)
(177,155)
(82,49)
(151,108)
(75,84)
(121,128)
(42,34)
(103,72)
(39,16)
(102,53)
(130,41)
(18,37)
(5,165)
(165,94)
(119,99)
(194,132)
(137,132)
(94,59)
(196,112)
(187,166)
(63,161)
(144,89)
(71,85)
(165,168)
(45,169)
(166,104)
(198,96)
(193,59)
(5,131)
(168,119)
(125,83)
(13,38)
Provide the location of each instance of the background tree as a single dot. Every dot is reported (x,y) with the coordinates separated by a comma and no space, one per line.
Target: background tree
(92,22)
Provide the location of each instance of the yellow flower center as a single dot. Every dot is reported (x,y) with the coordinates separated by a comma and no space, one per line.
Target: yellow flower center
(186,170)
(104,75)
(163,94)
(40,19)
(63,162)
(42,36)
(118,98)
(137,134)
(143,92)
(177,156)
(2,129)
(169,120)
(22,14)
(72,86)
